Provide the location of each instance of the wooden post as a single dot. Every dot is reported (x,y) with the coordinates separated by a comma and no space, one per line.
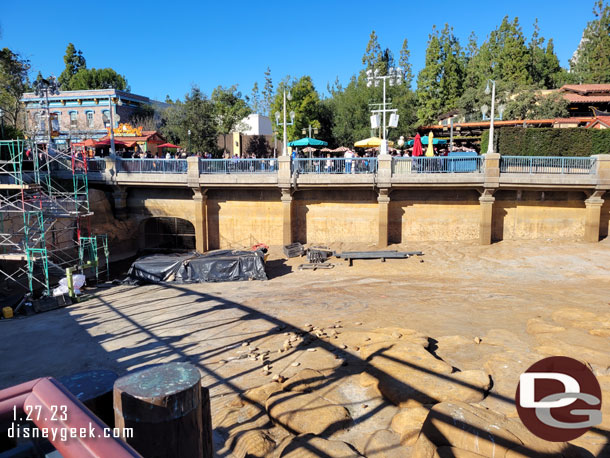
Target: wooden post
(163,406)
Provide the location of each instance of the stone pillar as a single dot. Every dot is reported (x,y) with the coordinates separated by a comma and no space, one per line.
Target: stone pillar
(485,226)
(383,200)
(287,216)
(192,175)
(491,169)
(119,194)
(201,220)
(593,216)
(284,173)
(384,171)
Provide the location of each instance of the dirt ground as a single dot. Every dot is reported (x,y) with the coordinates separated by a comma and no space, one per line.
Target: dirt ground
(527,297)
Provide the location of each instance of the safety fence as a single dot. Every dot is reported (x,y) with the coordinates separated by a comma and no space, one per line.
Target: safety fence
(220,166)
(340,165)
(547,165)
(407,165)
(152,165)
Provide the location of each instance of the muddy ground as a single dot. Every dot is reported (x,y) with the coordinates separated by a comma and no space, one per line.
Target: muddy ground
(494,309)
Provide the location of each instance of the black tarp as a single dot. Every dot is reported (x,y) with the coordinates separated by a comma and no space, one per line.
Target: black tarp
(219,265)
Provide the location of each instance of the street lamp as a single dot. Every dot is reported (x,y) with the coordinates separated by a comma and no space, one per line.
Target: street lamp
(189,145)
(315,131)
(45,87)
(395,77)
(285,123)
(119,103)
(490,146)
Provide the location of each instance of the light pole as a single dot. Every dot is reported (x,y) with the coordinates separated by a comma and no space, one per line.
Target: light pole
(44,87)
(112,149)
(285,122)
(395,76)
(490,146)
(189,144)
(315,131)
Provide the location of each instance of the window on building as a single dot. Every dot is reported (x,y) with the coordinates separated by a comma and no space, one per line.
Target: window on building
(73,118)
(90,119)
(106,118)
(41,121)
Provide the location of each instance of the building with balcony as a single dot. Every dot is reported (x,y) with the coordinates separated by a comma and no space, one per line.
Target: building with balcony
(80,115)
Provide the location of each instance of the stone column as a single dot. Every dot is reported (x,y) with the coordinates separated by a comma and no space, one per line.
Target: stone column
(287,214)
(485,226)
(593,216)
(383,200)
(192,175)
(119,194)
(201,221)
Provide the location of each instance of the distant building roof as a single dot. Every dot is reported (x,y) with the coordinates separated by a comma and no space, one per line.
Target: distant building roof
(586,93)
(256,124)
(603,120)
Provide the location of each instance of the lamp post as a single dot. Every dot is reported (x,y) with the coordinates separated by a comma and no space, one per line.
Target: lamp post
(315,131)
(44,87)
(490,146)
(395,76)
(189,144)
(285,122)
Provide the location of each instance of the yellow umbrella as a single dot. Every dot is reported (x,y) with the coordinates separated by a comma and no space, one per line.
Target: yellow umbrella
(430,150)
(371,142)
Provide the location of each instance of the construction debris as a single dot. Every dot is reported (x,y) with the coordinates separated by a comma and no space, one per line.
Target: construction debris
(383,255)
(293,250)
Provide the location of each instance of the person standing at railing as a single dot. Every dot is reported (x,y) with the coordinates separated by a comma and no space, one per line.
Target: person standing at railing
(348,161)
(329,163)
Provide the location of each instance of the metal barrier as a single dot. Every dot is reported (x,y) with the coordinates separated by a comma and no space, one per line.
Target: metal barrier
(152,165)
(211,166)
(342,165)
(442,164)
(547,165)
(96,164)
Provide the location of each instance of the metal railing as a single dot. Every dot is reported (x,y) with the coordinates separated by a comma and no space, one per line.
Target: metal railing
(151,165)
(324,165)
(547,165)
(407,165)
(213,166)
(96,164)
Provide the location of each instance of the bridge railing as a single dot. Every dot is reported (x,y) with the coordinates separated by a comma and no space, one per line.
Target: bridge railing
(407,165)
(547,165)
(334,165)
(220,166)
(152,165)
(96,164)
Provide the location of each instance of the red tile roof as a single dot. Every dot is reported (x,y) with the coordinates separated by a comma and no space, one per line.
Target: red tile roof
(586,88)
(578,98)
(605,120)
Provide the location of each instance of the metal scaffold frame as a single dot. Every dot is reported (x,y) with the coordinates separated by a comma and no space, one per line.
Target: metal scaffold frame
(44,216)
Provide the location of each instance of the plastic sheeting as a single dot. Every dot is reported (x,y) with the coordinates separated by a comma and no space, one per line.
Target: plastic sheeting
(215,266)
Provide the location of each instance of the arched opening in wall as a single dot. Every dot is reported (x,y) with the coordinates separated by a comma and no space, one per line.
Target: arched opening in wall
(168,234)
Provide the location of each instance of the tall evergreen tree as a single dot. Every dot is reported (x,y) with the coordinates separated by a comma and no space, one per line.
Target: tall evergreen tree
(255,99)
(372,52)
(428,81)
(591,61)
(74,61)
(405,63)
(267,93)
(544,64)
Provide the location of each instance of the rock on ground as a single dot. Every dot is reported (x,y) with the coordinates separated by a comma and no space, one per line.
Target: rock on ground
(304,413)
(310,446)
(408,422)
(385,444)
(481,431)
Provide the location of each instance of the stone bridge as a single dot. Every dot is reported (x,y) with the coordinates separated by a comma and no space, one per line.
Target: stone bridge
(375,201)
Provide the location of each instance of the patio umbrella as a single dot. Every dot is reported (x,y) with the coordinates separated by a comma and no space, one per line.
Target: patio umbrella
(326,150)
(168,145)
(372,141)
(341,149)
(430,150)
(307,141)
(88,142)
(107,143)
(417,149)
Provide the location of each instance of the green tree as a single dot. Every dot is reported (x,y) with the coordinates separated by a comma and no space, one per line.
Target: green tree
(196,114)
(74,61)
(103,78)
(255,99)
(305,103)
(372,53)
(258,145)
(440,82)
(13,83)
(405,63)
(591,61)
(544,64)
(229,109)
(531,104)
(267,93)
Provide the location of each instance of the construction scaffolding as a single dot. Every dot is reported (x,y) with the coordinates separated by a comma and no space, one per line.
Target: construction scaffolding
(45,218)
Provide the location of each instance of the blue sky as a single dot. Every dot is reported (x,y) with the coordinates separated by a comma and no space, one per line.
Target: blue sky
(163,47)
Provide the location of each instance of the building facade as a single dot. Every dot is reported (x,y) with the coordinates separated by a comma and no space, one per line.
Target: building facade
(80,115)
